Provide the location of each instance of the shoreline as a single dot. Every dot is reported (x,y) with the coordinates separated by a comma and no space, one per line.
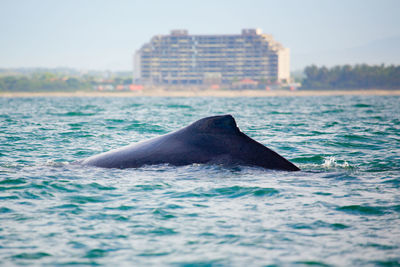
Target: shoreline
(203,93)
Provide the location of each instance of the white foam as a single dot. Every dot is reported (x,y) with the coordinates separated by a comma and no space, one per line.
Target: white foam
(331,162)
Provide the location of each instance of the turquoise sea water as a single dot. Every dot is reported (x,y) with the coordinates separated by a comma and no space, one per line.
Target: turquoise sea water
(342,209)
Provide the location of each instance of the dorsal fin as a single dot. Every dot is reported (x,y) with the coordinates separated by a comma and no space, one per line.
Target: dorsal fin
(225,124)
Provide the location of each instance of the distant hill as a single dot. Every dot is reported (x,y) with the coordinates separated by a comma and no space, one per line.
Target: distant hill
(376,52)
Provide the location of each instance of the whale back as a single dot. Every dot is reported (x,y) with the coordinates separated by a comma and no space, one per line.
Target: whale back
(214,139)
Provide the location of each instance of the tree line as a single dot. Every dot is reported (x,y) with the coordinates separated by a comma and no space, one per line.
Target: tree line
(352,77)
(42,82)
(47,82)
(339,77)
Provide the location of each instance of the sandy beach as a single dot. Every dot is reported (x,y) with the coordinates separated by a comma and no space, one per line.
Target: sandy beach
(203,93)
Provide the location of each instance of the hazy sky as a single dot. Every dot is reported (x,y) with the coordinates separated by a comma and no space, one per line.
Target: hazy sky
(102,35)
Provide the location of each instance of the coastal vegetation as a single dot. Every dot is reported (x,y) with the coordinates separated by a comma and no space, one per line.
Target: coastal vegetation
(352,77)
(54,81)
(41,83)
(345,77)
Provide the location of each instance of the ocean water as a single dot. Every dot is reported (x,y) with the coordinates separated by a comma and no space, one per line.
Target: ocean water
(342,209)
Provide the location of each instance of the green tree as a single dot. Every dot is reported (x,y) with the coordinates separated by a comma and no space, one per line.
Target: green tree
(352,77)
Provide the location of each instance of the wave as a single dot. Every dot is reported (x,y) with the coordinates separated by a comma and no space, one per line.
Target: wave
(228,192)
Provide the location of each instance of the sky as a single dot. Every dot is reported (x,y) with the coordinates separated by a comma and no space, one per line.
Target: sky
(103,35)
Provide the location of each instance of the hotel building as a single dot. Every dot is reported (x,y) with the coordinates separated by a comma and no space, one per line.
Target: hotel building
(180,58)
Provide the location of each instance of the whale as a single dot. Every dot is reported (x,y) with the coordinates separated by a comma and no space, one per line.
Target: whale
(211,140)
